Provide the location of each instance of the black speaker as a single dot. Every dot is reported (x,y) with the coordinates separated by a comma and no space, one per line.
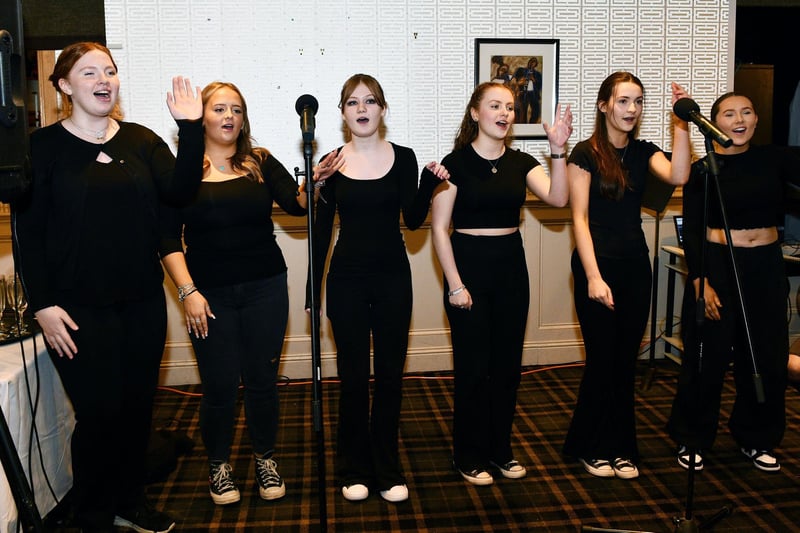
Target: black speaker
(14,167)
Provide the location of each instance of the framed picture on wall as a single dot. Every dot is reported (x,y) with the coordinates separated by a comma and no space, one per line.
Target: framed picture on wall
(529,67)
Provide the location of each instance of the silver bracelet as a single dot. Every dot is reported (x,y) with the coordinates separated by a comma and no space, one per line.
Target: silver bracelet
(456,291)
(185,290)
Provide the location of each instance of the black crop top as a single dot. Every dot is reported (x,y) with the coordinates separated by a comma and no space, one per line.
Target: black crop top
(484,199)
(753,190)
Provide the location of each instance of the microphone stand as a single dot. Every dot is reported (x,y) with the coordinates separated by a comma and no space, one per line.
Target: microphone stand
(687,524)
(316,364)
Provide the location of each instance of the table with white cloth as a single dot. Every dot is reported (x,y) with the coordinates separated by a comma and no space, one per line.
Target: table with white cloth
(26,372)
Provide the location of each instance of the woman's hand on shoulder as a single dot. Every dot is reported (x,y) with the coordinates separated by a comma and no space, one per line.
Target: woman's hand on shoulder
(560,130)
(184,102)
(54,322)
(438,170)
(327,166)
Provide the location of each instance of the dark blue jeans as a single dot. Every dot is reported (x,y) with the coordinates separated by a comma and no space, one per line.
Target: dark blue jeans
(244,344)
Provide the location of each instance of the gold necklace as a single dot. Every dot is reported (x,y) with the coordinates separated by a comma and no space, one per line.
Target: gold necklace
(494,164)
(99,134)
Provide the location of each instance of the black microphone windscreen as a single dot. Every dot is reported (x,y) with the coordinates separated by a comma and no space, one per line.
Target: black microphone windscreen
(685,107)
(304,101)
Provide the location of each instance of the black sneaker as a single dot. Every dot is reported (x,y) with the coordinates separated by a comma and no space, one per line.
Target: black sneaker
(762,459)
(144,519)
(270,484)
(221,486)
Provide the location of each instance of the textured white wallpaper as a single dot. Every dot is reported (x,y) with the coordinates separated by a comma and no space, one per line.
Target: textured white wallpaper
(422,52)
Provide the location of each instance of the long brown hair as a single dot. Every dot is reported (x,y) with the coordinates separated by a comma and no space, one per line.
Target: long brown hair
(468,131)
(247,158)
(66,60)
(613,177)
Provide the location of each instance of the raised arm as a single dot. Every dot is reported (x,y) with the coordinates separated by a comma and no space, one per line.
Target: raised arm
(676,171)
(554,189)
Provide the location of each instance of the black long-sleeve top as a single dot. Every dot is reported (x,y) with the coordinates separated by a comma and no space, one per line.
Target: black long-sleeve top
(89,233)
(370,240)
(753,185)
(228,228)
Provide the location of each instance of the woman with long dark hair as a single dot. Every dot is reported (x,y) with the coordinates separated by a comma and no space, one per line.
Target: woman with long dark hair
(611,269)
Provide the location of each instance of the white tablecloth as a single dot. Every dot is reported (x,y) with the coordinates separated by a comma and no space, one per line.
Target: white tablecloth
(54,422)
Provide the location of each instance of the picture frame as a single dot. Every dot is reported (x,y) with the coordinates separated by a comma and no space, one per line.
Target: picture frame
(530,68)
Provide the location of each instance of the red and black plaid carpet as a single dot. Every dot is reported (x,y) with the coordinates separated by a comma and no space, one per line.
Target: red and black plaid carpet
(557,495)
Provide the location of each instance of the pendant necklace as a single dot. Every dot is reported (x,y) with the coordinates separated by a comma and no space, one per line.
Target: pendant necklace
(494,164)
(98,134)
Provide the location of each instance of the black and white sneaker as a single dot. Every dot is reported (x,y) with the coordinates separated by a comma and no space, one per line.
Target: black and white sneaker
(144,519)
(762,459)
(684,458)
(511,470)
(221,486)
(598,467)
(270,484)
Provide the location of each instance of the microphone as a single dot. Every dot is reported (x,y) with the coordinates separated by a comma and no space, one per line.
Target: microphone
(688,110)
(306,106)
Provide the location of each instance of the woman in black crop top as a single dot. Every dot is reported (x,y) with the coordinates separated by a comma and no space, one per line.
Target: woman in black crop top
(88,252)
(752,179)
(611,269)
(486,291)
(233,284)
(369,285)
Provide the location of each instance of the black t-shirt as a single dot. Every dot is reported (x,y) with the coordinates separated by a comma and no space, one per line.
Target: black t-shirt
(616,225)
(486,199)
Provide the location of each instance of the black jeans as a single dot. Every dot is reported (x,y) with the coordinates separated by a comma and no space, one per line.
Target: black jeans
(367,448)
(695,411)
(487,346)
(603,424)
(111,382)
(244,345)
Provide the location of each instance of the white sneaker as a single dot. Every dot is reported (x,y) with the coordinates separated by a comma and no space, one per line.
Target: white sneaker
(624,468)
(355,492)
(398,493)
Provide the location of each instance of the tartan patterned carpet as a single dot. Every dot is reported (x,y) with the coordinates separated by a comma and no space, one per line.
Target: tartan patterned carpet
(557,495)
